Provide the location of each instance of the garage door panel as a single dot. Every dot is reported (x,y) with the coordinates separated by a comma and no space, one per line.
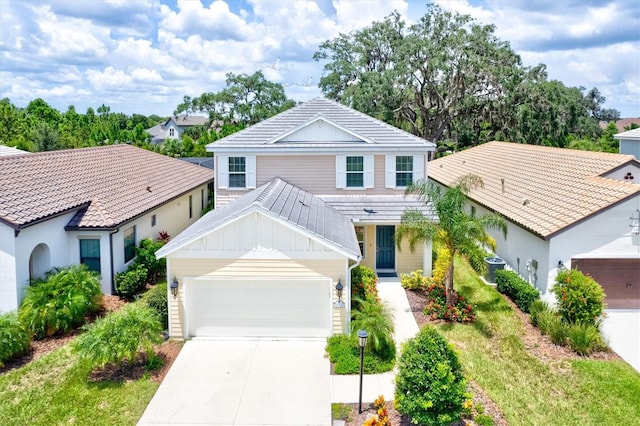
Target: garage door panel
(259,308)
(619,278)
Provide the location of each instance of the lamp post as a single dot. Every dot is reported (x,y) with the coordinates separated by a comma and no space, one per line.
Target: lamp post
(362,341)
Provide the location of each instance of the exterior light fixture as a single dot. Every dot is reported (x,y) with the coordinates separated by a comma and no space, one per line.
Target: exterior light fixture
(561,266)
(339,287)
(174,287)
(362,342)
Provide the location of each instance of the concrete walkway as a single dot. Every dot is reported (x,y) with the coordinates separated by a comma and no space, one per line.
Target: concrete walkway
(345,388)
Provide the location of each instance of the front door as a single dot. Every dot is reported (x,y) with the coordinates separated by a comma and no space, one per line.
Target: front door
(385,247)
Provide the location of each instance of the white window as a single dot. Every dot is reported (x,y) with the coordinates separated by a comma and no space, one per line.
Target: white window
(236,172)
(354,171)
(401,170)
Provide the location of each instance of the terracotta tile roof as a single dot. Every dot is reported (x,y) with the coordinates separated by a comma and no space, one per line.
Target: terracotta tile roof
(545,189)
(109,184)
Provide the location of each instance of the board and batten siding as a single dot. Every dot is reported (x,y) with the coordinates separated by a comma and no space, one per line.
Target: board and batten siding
(333,269)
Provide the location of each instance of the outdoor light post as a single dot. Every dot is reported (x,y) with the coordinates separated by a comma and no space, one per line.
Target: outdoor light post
(362,341)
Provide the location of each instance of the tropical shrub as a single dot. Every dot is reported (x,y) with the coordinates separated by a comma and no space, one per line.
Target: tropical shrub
(344,353)
(119,337)
(437,308)
(580,297)
(550,323)
(430,386)
(382,414)
(441,265)
(132,281)
(363,284)
(146,257)
(156,299)
(415,280)
(15,340)
(59,302)
(584,339)
(375,318)
(512,285)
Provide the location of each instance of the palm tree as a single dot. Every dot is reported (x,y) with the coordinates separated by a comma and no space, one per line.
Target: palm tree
(456,229)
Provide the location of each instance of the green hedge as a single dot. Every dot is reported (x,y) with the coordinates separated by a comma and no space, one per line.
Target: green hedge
(521,292)
(156,299)
(14,338)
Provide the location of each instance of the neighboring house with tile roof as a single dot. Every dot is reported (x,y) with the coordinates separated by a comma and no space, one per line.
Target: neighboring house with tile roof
(629,142)
(564,207)
(90,205)
(622,123)
(301,199)
(174,127)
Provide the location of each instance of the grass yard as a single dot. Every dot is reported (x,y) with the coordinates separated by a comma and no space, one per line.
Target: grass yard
(530,391)
(55,390)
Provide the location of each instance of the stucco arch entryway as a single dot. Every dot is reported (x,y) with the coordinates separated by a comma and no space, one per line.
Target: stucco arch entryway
(39,261)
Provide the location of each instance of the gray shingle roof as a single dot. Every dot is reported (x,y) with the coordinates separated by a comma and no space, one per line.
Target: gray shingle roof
(379,208)
(369,128)
(108,184)
(283,200)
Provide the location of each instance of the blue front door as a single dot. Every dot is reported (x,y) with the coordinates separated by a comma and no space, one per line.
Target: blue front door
(385,247)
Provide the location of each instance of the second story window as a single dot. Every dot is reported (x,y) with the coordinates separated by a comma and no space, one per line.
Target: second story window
(237,172)
(172,132)
(404,170)
(355,172)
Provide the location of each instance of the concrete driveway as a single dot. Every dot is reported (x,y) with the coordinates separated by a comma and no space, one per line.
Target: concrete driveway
(245,382)
(622,330)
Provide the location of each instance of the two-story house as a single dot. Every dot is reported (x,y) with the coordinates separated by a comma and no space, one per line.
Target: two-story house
(301,199)
(174,127)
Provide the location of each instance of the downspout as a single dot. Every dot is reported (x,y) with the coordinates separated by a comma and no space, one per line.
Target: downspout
(348,304)
(113,281)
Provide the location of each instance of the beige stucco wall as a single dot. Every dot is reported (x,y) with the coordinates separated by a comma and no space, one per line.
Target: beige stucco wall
(406,260)
(333,269)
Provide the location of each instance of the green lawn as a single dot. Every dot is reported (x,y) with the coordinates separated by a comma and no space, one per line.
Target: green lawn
(528,390)
(54,390)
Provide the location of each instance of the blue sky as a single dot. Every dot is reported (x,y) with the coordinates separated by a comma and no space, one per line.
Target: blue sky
(143,56)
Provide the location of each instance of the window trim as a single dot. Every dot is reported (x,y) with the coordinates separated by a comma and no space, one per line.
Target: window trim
(367,173)
(403,172)
(358,174)
(419,169)
(222,170)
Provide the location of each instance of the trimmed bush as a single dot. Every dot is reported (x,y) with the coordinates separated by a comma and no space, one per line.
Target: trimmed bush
(156,299)
(60,302)
(119,337)
(15,340)
(131,282)
(584,339)
(580,297)
(363,284)
(430,386)
(512,285)
(476,255)
(437,308)
(415,280)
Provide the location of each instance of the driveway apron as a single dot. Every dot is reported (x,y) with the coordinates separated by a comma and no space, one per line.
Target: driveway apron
(245,382)
(621,328)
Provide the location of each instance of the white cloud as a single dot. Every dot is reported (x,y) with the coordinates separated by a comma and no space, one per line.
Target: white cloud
(110,79)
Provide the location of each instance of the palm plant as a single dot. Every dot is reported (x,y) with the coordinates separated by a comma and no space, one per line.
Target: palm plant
(456,229)
(375,318)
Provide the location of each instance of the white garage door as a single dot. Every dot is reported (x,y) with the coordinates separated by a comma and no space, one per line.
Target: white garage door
(258,307)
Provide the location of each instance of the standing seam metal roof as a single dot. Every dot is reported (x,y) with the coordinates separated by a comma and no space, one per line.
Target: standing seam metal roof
(284,200)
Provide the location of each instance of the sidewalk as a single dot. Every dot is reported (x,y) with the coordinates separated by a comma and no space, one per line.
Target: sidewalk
(345,388)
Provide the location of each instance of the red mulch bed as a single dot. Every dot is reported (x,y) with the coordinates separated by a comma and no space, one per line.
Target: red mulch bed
(167,351)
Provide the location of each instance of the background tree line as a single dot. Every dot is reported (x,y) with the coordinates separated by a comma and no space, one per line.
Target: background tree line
(450,80)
